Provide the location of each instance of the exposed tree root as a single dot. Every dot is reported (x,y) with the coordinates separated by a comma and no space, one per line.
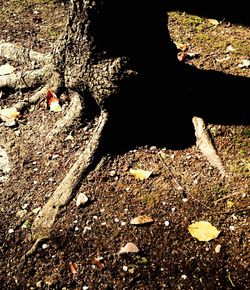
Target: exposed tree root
(205,145)
(14,52)
(28,79)
(72,116)
(43,223)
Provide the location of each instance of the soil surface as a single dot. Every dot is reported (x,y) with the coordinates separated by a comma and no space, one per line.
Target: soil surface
(183,188)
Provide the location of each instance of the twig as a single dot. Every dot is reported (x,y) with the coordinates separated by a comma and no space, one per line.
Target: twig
(226,196)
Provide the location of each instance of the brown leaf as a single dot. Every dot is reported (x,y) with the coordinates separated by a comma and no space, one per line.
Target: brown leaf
(98,263)
(73,267)
(53,101)
(129,248)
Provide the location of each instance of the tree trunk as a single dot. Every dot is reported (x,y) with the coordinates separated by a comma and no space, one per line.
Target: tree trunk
(106,41)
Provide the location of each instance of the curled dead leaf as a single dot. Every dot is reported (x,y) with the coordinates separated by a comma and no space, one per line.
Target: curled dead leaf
(73,267)
(213,21)
(141,220)
(129,248)
(140,173)
(9,116)
(53,101)
(97,262)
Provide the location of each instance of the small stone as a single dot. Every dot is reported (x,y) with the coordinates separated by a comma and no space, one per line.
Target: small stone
(166,223)
(183,277)
(76,229)
(125,268)
(112,173)
(232,228)
(173,209)
(81,200)
(116,220)
(44,246)
(10,231)
(123,223)
(217,249)
(185,199)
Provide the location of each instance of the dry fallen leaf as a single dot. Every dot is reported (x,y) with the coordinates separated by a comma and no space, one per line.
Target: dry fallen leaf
(230,203)
(9,116)
(203,231)
(97,262)
(129,248)
(6,69)
(181,46)
(53,102)
(245,63)
(140,173)
(213,21)
(140,220)
(73,267)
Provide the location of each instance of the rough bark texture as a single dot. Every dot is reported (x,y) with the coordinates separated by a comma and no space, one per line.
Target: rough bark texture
(86,68)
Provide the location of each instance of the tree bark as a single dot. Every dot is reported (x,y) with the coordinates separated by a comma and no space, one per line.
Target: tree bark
(106,41)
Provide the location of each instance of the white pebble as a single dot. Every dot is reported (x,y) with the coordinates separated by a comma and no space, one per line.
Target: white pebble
(185,199)
(76,229)
(116,220)
(231,228)
(10,231)
(81,199)
(123,223)
(217,249)
(166,223)
(184,277)
(44,246)
(125,268)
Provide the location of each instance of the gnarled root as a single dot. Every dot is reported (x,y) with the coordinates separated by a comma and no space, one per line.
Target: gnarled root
(14,52)
(43,223)
(72,115)
(205,145)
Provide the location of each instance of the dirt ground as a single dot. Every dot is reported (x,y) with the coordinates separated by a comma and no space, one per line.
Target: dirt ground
(83,251)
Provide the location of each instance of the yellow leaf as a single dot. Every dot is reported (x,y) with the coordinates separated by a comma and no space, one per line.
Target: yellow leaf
(140,220)
(230,203)
(203,231)
(213,21)
(140,173)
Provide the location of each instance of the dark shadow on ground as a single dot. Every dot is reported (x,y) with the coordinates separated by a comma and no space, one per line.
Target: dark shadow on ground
(159,111)
(157,107)
(232,11)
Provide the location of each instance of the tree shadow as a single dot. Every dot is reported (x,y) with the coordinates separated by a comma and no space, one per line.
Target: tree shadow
(156,108)
(159,111)
(232,11)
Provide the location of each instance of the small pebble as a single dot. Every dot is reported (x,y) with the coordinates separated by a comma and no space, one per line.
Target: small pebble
(184,277)
(125,268)
(166,223)
(217,249)
(10,231)
(44,246)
